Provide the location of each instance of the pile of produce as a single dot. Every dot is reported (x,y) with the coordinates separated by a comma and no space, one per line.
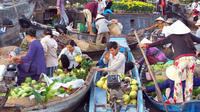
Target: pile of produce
(39,90)
(153,94)
(78,5)
(26,88)
(129,97)
(195,92)
(160,69)
(80,73)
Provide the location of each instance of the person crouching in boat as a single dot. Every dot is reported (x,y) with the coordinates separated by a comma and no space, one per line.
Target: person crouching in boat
(67,56)
(184,52)
(115,60)
(153,54)
(102,28)
(33,64)
(50,49)
(169,83)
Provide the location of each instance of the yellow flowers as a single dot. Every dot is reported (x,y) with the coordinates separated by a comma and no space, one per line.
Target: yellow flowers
(129,5)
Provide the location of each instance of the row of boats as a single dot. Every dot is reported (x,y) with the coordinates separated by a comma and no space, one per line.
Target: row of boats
(98,97)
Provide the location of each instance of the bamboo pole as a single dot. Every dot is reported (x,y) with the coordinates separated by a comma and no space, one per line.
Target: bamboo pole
(151,73)
(13,1)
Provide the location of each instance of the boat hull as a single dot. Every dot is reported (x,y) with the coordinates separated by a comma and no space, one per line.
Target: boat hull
(67,104)
(192,106)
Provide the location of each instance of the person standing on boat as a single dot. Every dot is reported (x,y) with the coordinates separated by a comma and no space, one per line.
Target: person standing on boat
(61,12)
(50,49)
(160,24)
(169,83)
(101,6)
(115,60)
(90,12)
(102,28)
(184,53)
(33,64)
(67,56)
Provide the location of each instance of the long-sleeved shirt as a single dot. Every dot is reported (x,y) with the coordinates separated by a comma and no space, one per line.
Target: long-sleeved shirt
(71,56)
(102,25)
(61,5)
(198,35)
(34,61)
(170,84)
(116,64)
(50,49)
(179,44)
(92,6)
(159,25)
(154,55)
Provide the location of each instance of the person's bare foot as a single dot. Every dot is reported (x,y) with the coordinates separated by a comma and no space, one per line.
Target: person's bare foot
(93,34)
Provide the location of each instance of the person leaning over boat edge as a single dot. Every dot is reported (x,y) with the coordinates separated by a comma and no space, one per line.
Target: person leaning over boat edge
(153,54)
(184,53)
(33,64)
(102,28)
(169,83)
(67,56)
(50,49)
(90,12)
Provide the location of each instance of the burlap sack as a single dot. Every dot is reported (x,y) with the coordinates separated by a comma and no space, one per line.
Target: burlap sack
(82,44)
(115,29)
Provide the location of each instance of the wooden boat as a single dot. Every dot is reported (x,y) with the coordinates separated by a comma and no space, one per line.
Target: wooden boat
(98,97)
(98,52)
(192,106)
(66,104)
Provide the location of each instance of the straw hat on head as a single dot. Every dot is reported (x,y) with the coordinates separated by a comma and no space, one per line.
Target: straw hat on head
(172,74)
(159,19)
(145,41)
(169,21)
(179,27)
(198,23)
(99,16)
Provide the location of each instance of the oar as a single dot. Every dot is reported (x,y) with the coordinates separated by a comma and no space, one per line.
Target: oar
(151,73)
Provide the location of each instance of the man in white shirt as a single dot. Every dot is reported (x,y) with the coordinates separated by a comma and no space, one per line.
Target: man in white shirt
(115,60)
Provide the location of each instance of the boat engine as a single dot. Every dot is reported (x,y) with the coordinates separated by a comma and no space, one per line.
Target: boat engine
(116,89)
(8,81)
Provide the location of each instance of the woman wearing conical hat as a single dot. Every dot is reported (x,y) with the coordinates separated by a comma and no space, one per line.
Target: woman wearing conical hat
(184,53)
